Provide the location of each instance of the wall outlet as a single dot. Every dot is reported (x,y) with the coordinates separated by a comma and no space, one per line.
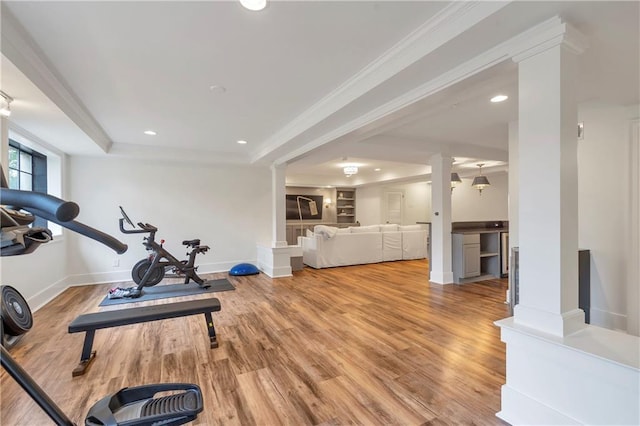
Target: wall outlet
(116,262)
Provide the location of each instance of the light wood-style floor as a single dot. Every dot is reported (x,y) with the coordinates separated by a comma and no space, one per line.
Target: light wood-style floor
(374,345)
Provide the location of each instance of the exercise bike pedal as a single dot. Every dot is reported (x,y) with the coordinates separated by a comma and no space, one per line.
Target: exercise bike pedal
(180,403)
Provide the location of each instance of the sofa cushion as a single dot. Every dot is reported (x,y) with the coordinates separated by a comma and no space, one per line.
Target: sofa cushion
(409,228)
(363,229)
(392,227)
(343,231)
(325,231)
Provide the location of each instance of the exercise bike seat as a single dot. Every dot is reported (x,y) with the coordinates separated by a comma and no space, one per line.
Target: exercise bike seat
(140,406)
(191,243)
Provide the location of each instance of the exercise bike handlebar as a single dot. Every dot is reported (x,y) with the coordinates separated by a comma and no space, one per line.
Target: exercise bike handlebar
(58,211)
(144,227)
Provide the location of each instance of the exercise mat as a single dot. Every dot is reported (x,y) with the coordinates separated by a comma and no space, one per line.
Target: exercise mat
(165,291)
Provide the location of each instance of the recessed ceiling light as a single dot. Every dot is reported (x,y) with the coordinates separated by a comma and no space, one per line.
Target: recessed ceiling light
(499,98)
(254,4)
(242,142)
(217,89)
(150,132)
(376,170)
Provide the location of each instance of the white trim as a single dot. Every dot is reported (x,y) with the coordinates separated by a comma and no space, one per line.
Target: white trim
(46,295)
(125,275)
(606,319)
(547,31)
(633,278)
(445,25)
(518,408)
(442,278)
(25,54)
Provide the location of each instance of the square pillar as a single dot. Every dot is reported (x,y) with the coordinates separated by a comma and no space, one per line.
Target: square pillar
(548,192)
(274,258)
(440,269)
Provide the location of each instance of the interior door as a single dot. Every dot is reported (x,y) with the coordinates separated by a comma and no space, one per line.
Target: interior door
(393,210)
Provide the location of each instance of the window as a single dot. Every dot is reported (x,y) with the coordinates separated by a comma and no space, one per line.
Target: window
(27,168)
(27,171)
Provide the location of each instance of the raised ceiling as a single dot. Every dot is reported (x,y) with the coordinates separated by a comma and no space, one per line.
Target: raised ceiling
(305,83)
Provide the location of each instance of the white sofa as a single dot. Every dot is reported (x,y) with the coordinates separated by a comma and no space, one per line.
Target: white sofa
(328,247)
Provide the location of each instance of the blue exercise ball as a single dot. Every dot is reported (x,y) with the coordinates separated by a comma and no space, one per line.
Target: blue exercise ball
(244,269)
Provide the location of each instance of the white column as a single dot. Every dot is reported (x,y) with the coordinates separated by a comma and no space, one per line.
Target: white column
(559,370)
(513,185)
(278,204)
(4,145)
(548,193)
(274,258)
(513,199)
(440,270)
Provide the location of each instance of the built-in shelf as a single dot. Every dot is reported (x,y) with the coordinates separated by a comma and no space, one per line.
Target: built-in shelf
(346,205)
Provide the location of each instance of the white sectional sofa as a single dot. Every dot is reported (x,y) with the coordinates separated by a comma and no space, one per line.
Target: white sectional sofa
(327,246)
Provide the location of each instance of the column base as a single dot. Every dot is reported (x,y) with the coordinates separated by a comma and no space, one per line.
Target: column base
(557,324)
(275,259)
(439,277)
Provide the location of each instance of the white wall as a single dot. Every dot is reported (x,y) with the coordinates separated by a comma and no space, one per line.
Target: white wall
(603,179)
(38,276)
(467,203)
(469,206)
(227,207)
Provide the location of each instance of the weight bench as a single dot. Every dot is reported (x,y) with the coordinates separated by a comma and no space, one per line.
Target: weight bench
(92,322)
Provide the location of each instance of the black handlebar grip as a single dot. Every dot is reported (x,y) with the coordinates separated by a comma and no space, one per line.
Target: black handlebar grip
(63,211)
(85,230)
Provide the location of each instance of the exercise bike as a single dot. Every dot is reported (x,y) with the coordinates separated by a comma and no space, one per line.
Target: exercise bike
(151,270)
(166,404)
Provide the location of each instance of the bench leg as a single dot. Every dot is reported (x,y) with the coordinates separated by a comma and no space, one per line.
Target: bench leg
(212,330)
(87,354)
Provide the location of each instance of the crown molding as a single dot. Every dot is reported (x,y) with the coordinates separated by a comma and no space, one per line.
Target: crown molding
(26,55)
(543,34)
(550,33)
(453,20)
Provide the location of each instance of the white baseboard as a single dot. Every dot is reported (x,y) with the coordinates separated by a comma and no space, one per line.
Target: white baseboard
(46,295)
(610,320)
(529,411)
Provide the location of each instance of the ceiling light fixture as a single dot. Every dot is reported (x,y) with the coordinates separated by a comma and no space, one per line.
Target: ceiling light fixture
(5,104)
(499,98)
(480,182)
(377,169)
(350,170)
(254,5)
(150,132)
(241,142)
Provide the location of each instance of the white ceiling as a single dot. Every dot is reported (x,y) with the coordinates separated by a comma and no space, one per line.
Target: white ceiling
(306,83)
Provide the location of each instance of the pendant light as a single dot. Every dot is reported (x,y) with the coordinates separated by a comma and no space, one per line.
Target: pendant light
(455,180)
(480,182)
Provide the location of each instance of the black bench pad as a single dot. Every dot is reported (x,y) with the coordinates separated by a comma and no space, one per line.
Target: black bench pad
(97,320)
(89,323)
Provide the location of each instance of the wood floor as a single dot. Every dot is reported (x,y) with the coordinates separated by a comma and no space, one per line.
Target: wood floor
(374,345)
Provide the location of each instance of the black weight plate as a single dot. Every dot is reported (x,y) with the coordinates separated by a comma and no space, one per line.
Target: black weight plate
(15,312)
